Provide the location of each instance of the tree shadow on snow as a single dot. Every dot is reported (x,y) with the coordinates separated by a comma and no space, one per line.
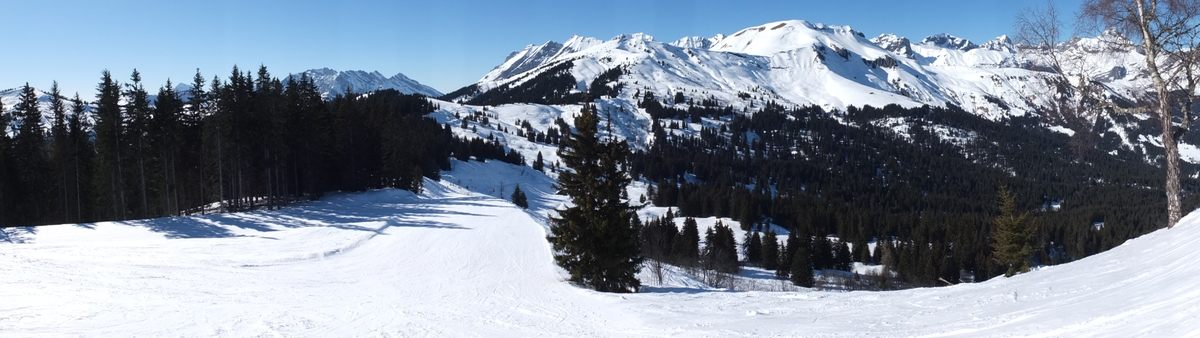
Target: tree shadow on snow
(343,211)
(673,289)
(17,235)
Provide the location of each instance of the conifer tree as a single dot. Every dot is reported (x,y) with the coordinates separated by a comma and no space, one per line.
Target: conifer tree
(783,270)
(687,245)
(519,198)
(822,253)
(753,248)
(844,261)
(82,151)
(595,240)
(1014,236)
(877,254)
(770,250)
(657,237)
(165,132)
(110,137)
(538,164)
(6,175)
(30,160)
(137,110)
(720,249)
(60,156)
(802,267)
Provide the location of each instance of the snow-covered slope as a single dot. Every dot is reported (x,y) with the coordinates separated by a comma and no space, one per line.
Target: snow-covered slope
(804,63)
(331,82)
(11,97)
(456,261)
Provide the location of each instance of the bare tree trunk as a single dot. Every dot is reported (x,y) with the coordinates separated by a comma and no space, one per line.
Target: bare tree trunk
(220,176)
(175,186)
(1152,47)
(1171,147)
(165,194)
(142,176)
(78,192)
(119,186)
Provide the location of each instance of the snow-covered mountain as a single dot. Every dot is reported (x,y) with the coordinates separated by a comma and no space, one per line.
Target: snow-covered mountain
(805,63)
(12,96)
(332,82)
(801,63)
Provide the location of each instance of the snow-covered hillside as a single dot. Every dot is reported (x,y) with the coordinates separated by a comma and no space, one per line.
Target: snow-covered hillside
(11,97)
(801,63)
(457,261)
(804,63)
(331,82)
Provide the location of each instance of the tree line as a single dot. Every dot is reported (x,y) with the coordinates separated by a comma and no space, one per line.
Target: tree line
(247,141)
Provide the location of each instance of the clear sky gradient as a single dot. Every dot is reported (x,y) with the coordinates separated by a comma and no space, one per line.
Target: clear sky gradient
(446,44)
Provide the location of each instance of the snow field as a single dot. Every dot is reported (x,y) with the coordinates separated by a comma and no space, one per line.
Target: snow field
(455,262)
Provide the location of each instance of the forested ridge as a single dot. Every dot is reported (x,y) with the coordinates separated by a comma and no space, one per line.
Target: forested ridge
(922,182)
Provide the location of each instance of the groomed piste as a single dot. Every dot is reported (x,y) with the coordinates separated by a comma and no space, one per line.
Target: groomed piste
(457,260)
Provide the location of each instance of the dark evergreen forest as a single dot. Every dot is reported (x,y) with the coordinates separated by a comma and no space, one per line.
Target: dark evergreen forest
(240,143)
(929,202)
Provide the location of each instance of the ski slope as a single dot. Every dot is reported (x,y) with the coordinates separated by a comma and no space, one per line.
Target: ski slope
(457,261)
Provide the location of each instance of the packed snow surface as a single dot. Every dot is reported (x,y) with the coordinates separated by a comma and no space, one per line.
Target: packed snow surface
(457,261)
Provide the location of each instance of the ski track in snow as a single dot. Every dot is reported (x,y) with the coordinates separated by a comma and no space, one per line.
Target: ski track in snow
(457,261)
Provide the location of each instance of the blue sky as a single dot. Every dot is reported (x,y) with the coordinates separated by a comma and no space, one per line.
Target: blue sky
(442,43)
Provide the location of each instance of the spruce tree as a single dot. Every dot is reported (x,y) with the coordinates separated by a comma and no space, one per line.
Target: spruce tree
(784,269)
(137,111)
(770,250)
(844,261)
(1014,236)
(518,197)
(595,239)
(687,244)
(30,160)
(110,139)
(753,248)
(82,151)
(802,267)
(7,196)
(165,137)
(538,164)
(877,254)
(720,249)
(822,253)
(59,155)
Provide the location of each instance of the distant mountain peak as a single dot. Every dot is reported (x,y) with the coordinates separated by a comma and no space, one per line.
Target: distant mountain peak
(333,82)
(1000,44)
(698,42)
(783,36)
(949,41)
(895,44)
